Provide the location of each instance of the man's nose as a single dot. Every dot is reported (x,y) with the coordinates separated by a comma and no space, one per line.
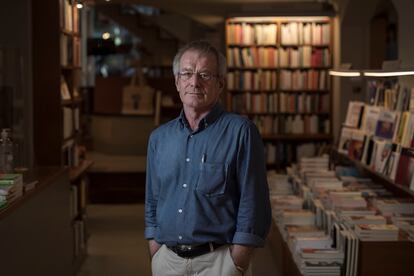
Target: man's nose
(195,79)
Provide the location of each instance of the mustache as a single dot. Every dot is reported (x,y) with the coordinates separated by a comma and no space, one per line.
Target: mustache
(196,92)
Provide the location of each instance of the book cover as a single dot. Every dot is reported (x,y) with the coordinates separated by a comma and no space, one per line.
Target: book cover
(370,118)
(356,146)
(386,124)
(381,154)
(405,168)
(354,114)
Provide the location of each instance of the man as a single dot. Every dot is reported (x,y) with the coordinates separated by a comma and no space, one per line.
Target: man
(207,202)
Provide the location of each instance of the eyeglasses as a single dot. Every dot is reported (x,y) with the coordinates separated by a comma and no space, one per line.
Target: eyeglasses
(204,76)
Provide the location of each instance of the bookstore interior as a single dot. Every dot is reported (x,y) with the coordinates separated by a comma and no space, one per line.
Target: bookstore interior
(329,85)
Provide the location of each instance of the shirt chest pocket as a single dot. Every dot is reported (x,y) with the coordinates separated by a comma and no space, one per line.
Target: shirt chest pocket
(212,179)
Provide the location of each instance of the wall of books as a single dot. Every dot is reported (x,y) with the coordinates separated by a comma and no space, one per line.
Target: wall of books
(72,148)
(278,77)
(379,133)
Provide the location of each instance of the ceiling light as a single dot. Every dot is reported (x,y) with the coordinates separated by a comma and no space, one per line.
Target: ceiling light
(345,73)
(106,35)
(396,73)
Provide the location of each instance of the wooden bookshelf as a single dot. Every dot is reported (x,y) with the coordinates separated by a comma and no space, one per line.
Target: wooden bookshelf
(278,57)
(57,104)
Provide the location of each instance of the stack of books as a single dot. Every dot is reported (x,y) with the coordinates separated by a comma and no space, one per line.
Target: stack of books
(285,202)
(313,261)
(389,206)
(377,232)
(297,217)
(292,231)
(279,184)
(11,187)
(351,221)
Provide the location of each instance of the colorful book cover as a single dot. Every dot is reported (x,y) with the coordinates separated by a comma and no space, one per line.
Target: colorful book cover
(386,124)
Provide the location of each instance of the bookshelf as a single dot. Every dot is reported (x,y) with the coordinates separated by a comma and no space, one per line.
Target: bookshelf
(278,77)
(377,135)
(388,102)
(58,104)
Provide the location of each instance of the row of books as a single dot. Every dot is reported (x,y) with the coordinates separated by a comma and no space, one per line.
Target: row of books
(280,103)
(297,33)
(292,33)
(303,80)
(269,57)
(392,125)
(380,138)
(304,57)
(292,124)
(267,80)
(248,34)
(252,80)
(390,95)
(253,57)
(69,19)
(379,155)
(11,188)
(312,103)
(70,51)
(71,121)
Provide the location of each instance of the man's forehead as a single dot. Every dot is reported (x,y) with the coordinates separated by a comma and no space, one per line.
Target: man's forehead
(193,55)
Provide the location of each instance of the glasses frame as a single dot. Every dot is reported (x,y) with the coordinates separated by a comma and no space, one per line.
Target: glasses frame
(204,76)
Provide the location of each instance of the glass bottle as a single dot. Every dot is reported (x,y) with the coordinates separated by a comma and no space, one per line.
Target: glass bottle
(6,151)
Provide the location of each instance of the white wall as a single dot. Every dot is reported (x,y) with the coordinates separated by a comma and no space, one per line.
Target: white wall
(355,16)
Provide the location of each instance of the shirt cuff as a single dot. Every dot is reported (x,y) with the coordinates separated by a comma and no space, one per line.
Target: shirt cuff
(149,232)
(248,239)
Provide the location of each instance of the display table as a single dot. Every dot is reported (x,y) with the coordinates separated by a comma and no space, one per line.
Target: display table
(36,237)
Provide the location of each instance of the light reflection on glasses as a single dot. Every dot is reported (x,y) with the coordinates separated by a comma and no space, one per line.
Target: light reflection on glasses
(205,76)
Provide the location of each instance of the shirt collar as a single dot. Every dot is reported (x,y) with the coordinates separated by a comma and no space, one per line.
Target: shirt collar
(210,118)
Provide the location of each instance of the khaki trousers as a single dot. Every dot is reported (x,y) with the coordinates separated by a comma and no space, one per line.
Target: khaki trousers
(217,263)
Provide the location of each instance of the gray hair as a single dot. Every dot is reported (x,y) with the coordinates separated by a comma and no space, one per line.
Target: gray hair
(203,47)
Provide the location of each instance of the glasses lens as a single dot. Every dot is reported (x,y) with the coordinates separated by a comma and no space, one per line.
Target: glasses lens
(185,76)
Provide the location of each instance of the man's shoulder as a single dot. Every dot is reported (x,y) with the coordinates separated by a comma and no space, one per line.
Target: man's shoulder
(165,128)
(236,119)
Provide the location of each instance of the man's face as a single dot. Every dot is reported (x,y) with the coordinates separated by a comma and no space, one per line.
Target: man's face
(197,82)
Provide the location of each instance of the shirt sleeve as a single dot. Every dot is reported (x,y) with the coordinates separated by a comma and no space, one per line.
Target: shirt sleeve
(151,194)
(254,212)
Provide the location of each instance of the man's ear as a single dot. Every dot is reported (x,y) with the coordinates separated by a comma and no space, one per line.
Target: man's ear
(221,83)
(176,83)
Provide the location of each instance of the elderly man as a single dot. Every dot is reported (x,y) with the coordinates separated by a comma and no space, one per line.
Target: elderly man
(207,202)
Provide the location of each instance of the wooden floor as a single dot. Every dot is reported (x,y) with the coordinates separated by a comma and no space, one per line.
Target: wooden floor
(117,246)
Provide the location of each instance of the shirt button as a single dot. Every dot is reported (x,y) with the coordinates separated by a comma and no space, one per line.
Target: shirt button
(191,136)
(184,185)
(180,237)
(187,159)
(180,210)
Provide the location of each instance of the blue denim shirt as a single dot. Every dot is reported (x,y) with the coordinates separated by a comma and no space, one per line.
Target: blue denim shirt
(207,185)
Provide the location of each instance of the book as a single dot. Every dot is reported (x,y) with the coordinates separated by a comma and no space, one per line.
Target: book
(405,167)
(354,114)
(386,124)
(370,119)
(381,153)
(356,146)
